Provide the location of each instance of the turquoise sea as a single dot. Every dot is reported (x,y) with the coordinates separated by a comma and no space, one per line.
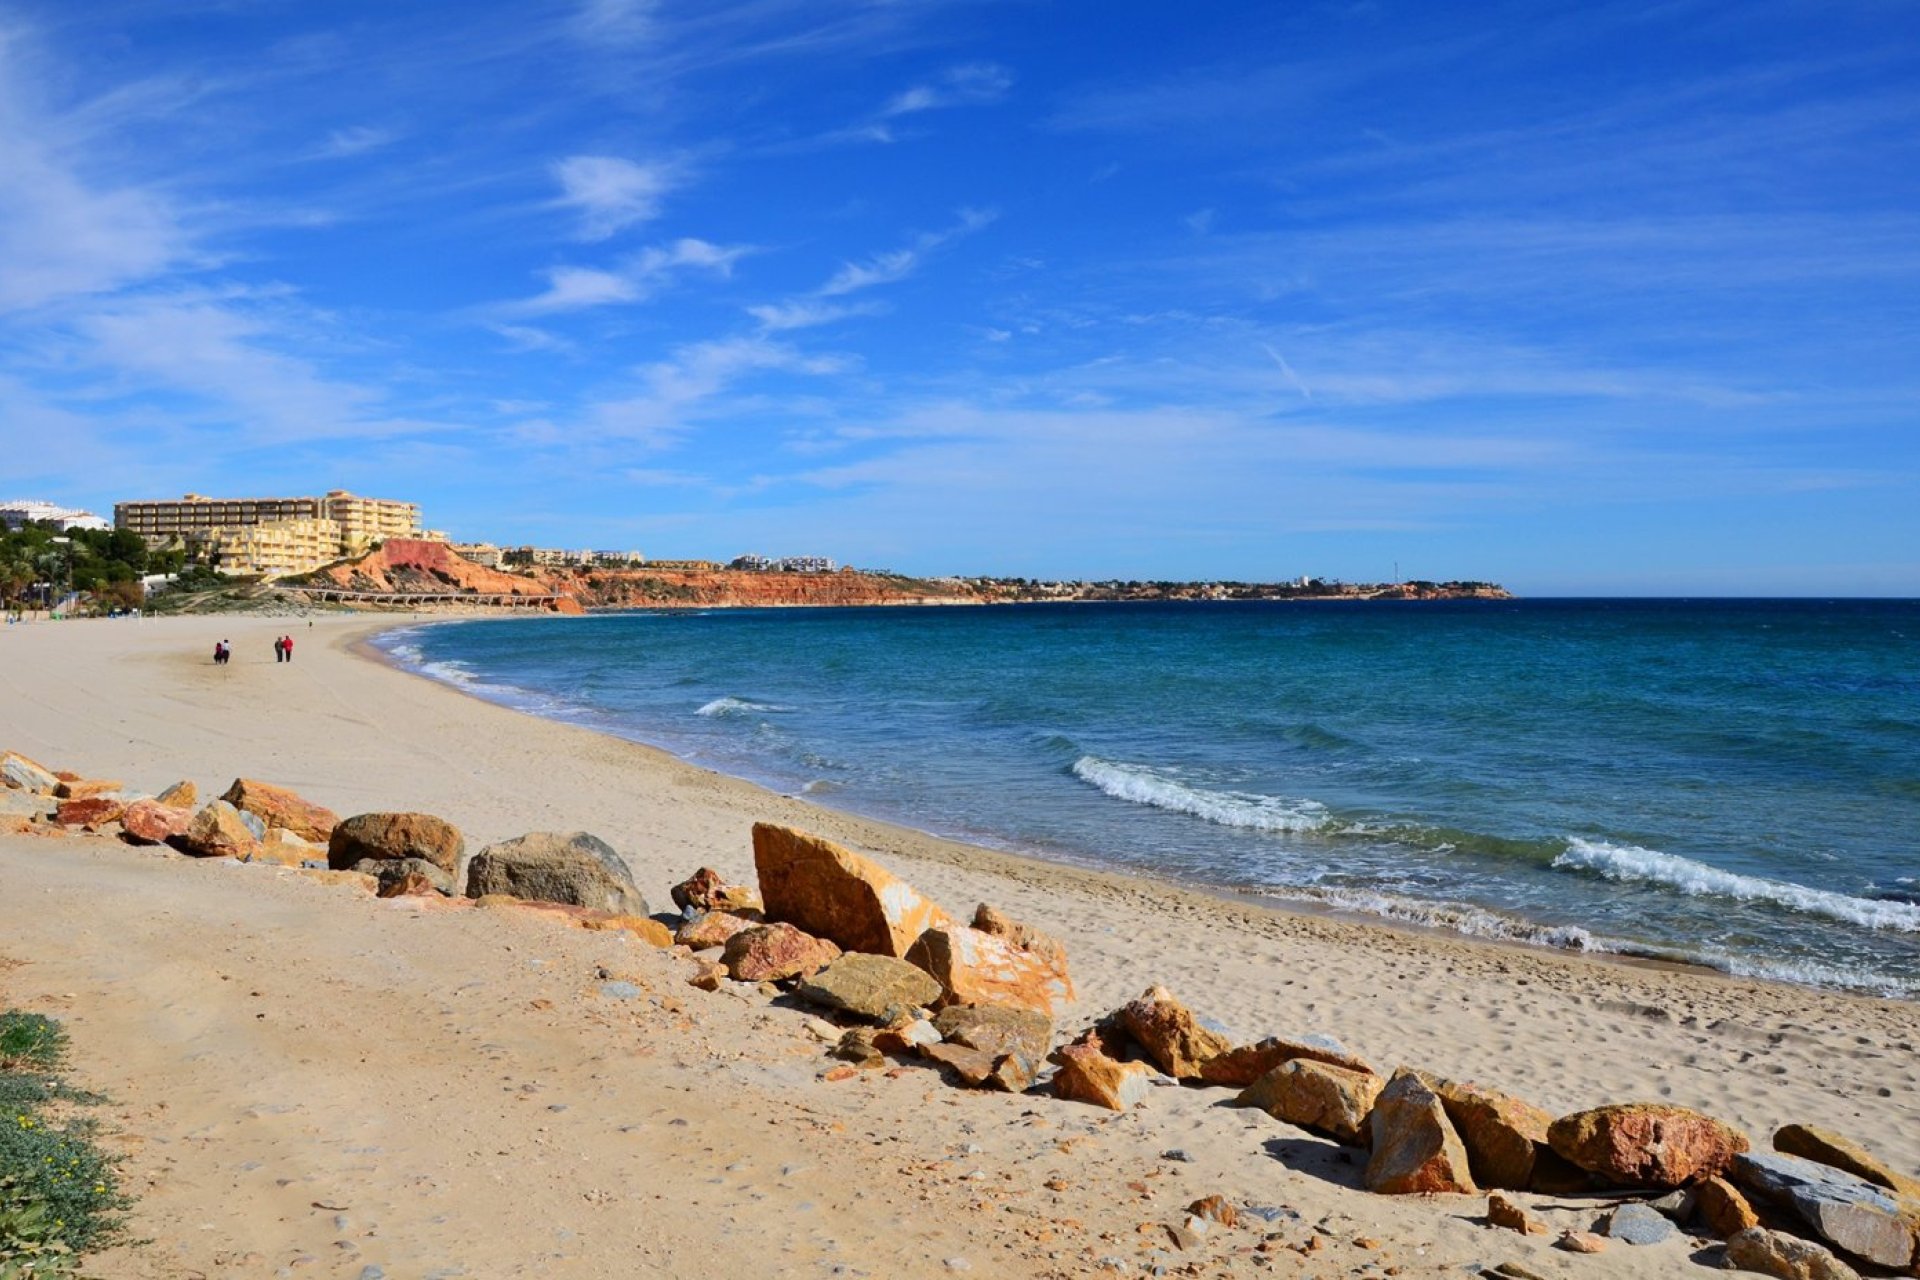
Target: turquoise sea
(1730,782)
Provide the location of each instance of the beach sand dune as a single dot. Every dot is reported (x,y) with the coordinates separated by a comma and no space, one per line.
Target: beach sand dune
(312,1082)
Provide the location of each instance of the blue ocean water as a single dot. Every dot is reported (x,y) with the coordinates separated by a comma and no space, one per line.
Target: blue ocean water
(1735,783)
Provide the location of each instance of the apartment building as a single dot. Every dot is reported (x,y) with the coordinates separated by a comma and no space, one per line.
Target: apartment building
(277,549)
(273,536)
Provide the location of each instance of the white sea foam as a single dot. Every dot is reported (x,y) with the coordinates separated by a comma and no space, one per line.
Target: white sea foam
(739,707)
(1142,785)
(1473,922)
(1697,879)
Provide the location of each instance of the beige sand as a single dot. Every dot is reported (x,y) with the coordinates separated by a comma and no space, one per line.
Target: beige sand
(461,1085)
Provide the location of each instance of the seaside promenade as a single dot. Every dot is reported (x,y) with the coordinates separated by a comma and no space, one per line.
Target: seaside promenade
(311,1082)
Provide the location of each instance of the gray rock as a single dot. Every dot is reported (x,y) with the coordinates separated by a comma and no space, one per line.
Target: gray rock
(1015,1040)
(554,866)
(25,804)
(620,990)
(1639,1224)
(254,823)
(390,871)
(24,774)
(1847,1212)
(869,986)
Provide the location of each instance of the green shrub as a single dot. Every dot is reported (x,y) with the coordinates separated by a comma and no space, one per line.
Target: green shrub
(30,1040)
(59,1196)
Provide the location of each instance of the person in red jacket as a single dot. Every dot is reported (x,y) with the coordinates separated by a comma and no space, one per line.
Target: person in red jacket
(286,643)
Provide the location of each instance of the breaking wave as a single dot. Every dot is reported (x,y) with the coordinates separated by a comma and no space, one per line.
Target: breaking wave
(1142,785)
(739,707)
(1697,879)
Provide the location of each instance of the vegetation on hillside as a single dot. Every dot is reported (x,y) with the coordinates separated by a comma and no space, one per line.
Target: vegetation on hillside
(36,570)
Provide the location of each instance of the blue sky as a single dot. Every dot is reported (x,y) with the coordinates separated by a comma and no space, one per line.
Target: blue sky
(1599,298)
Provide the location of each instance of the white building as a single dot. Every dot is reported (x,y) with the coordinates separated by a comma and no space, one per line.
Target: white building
(23,511)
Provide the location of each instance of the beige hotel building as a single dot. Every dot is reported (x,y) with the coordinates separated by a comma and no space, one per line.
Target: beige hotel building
(277,537)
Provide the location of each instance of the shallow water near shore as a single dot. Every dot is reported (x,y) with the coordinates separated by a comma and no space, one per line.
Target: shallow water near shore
(1733,783)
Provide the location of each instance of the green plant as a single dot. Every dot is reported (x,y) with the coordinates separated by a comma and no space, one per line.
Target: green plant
(30,1040)
(59,1195)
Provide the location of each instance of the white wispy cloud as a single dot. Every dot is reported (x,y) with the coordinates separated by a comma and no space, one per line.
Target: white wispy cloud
(807,314)
(355,140)
(972,84)
(619,22)
(681,390)
(610,193)
(897,264)
(633,279)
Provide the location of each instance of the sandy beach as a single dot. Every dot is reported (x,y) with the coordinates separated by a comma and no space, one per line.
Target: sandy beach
(309,1081)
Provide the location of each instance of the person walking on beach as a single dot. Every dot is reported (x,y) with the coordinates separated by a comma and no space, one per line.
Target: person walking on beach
(286,646)
(279,650)
(219,652)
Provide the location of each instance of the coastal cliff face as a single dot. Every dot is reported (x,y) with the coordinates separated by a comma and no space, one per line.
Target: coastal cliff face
(662,588)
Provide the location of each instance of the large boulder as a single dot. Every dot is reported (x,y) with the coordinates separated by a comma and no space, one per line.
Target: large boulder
(773,952)
(876,988)
(282,848)
(1722,1209)
(23,774)
(552,866)
(181,795)
(835,893)
(1088,1075)
(1646,1144)
(1415,1150)
(983,968)
(1326,1099)
(151,822)
(707,890)
(1241,1066)
(392,872)
(218,831)
(1849,1213)
(396,835)
(1171,1035)
(1825,1147)
(1029,939)
(1775,1253)
(92,813)
(281,808)
(1504,1136)
(1015,1040)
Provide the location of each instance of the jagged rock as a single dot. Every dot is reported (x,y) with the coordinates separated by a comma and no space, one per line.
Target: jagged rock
(836,894)
(1315,1095)
(772,952)
(1502,1212)
(27,804)
(181,795)
(410,885)
(23,774)
(150,822)
(92,813)
(85,788)
(1240,1067)
(706,890)
(1775,1253)
(1047,950)
(1171,1035)
(279,807)
(1723,1209)
(1849,1213)
(857,1046)
(1215,1209)
(712,929)
(708,977)
(1088,1075)
(1646,1144)
(1844,1154)
(1016,1039)
(1639,1224)
(218,831)
(869,986)
(572,867)
(1581,1242)
(982,968)
(1415,1150)
(393,871)
(645,928)
(1504,1136)
(970,1067)
(397,835)
(909,1033)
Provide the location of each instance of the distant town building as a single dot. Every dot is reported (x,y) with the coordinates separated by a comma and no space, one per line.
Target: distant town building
(245,535)
(751,563)
(484,554)
(24,511)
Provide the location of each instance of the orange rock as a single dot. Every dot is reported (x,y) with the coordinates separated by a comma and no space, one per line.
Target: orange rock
(1503,1135)
(708,977)
(85,788)
(1240,1067)
(1837,1152)
(396,835)
(645,928)
(1502,1212)
(771,952)
(1646,1144)
(707,890)
(284,849)
(1723,1209)
(351,879)
(1415,1150)
(95,811)
(981,968)
(1088,1075)
(218,832)
(151,822)
(1024,936)
(711,930)
(279,807)
(411,885)
(181,795)
(1581,1242)
(1171,1035)
(1216,1209)
(1314,1095)
(836,894)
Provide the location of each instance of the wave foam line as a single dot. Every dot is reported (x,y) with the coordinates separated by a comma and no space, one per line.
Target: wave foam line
(1629,863)
(738,707)
(1141,785)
